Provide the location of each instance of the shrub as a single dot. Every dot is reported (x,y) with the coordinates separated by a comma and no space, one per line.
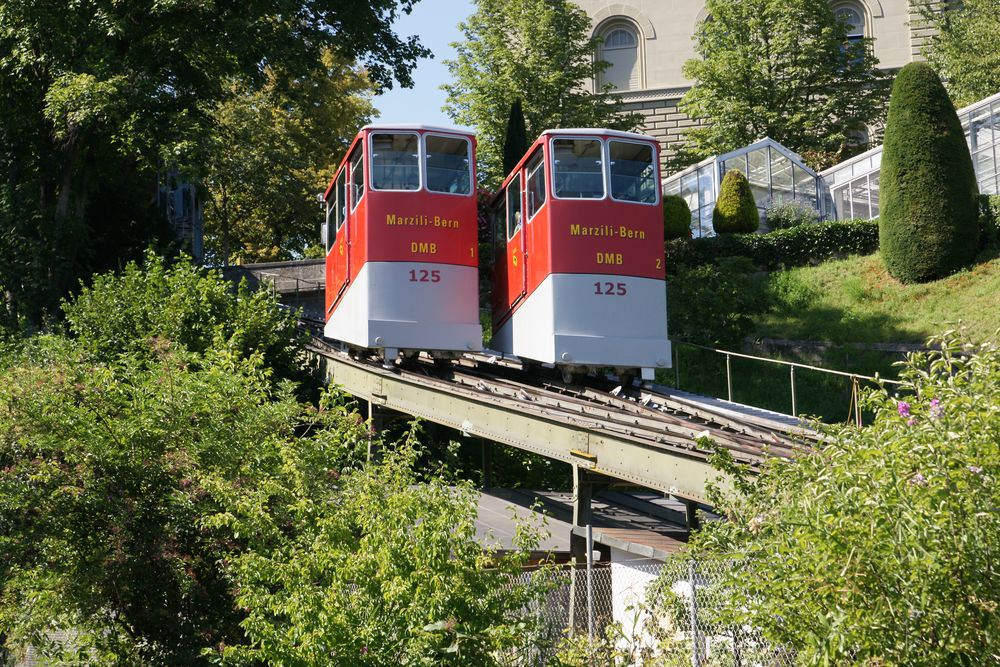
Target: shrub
(928,227)
(783,248)
(790,214)
(735,210)
(676,218)
(714,304)
(989,219)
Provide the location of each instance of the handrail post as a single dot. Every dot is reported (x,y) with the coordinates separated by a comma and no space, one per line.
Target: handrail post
(791,373)
(729,378)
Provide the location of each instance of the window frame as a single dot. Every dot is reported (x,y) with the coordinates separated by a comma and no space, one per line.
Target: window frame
(357,157)
(539,154)
(654,163)
(604,165)
(424,174)
(420,158)
(340,193)
(512,232)
(609,26)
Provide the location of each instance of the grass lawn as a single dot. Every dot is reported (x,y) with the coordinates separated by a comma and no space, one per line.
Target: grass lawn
(855,300)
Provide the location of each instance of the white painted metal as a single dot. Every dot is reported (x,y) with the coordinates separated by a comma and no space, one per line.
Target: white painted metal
(565,322)
(384,308)
(597,131)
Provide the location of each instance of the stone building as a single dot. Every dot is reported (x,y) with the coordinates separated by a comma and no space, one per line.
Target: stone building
(648,41)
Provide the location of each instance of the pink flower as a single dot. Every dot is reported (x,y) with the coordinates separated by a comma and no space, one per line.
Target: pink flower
(918,479)
(911,421)
(975,470)
(936,411)
(903,408)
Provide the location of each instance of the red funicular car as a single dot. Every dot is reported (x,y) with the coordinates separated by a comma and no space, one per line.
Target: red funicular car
(401,242)
(578,277)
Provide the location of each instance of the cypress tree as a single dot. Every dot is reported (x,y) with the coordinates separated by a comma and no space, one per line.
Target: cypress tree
(928,224)
(515,143)
(676,217)
(735,209)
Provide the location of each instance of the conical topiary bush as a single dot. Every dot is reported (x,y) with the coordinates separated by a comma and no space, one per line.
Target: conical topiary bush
(928,223)
(676,217)
(735,210)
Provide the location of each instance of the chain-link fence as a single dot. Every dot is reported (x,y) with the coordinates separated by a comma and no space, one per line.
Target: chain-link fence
(641,613)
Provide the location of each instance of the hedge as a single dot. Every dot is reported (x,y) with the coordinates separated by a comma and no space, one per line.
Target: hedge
(779,249)
(735,211)
(676,218)
(989,219)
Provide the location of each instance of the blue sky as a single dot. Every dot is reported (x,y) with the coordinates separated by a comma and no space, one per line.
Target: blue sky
(435,22)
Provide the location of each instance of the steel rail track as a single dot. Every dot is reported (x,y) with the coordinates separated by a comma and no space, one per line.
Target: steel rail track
(654,418)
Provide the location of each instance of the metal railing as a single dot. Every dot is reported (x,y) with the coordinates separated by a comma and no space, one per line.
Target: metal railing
(855,378)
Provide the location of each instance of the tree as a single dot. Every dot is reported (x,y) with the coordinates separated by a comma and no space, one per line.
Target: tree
(538,51)
(98,97)
(782,69)
(965,47)
(735,210)
(929,222)
(272,150)
(879,546)
(515,143)
(384,569)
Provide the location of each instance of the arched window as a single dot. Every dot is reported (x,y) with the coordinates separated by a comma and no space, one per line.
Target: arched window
(852,15)
(620,48)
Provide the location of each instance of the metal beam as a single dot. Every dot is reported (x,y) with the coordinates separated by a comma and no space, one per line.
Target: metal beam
(653,466)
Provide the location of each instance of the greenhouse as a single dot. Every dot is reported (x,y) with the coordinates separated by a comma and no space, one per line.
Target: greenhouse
(776,175)
(854,184)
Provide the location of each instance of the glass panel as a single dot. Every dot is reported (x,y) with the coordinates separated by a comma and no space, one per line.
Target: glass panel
(448,167)
(842,203)
(705,221)
(877,160)
(862,167)
(758,163)
(984,164)
(395,162)
(981,133)
(536,184)
(619,38)
(689,190)
(341,196)
(633,175)
(499,222)
(873,193)
(859,198)
(357,177)
(781,177)
(673,187)
(706,188)
(578,168)
(513,206)
(738,163)
(805,186)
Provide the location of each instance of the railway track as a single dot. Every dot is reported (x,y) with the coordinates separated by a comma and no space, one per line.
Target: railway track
(655,417)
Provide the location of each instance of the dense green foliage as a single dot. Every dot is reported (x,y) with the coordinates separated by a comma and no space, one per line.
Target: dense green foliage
(538,51)
(965,47)
(735,210)
(781,69)
(515,142)
(98,98)
(159,305)
(165,499)
(676,218)
(797,246)
(714,304)
(402,578)
(791,214)
(929,217)
(880,547)
(989,219)
(273,148)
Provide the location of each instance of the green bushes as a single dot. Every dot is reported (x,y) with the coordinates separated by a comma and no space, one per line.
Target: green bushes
(779,249)
(989,219)
(928,227)
(714,304)
(790,214)
(735,210)
(676,218)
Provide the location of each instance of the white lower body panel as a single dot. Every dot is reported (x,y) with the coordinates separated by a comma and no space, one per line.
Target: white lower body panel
(570,321)
(388,306)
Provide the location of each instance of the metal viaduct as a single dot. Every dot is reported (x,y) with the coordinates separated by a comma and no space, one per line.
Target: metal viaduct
(653,438)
